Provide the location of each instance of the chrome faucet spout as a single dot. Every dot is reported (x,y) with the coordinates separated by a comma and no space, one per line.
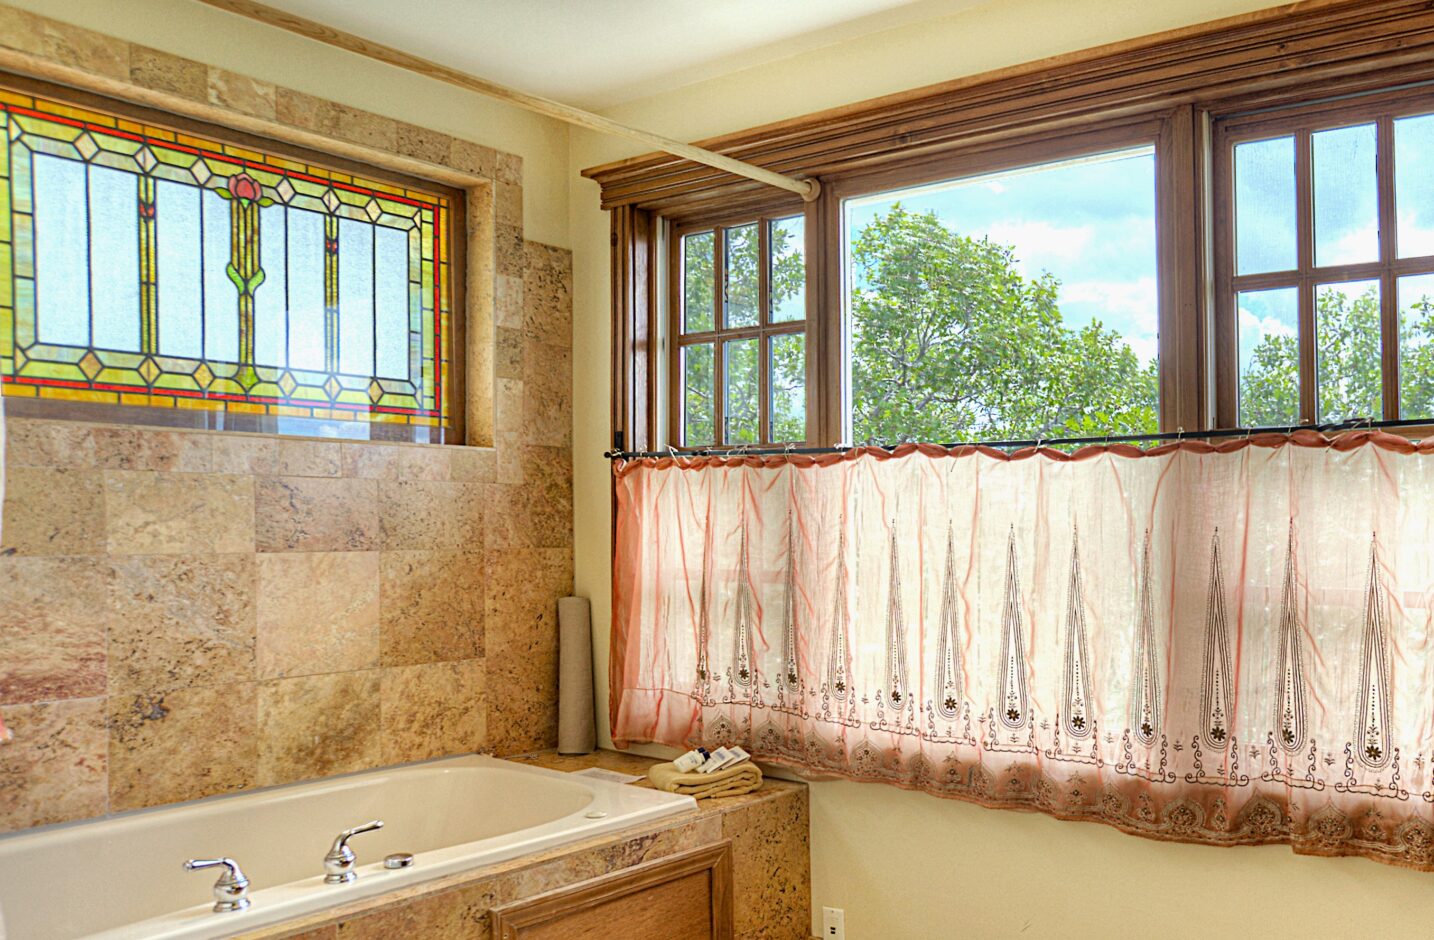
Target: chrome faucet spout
(339,864)
(231,891)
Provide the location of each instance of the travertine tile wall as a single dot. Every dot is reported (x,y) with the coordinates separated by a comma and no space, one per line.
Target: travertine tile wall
(187,613)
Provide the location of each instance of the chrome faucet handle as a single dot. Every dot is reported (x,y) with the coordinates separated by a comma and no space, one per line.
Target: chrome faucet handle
(340,862)
(231,891)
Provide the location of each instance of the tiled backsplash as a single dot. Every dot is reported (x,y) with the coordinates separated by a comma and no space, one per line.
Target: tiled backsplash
(187,613)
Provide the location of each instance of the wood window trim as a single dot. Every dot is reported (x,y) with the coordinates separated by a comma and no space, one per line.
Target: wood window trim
(141,105)
(1379,109)
(1273,58)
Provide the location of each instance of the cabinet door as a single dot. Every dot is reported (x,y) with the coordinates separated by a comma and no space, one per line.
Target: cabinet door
(682,897)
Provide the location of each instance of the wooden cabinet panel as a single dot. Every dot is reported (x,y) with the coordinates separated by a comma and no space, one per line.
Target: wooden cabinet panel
(683,897)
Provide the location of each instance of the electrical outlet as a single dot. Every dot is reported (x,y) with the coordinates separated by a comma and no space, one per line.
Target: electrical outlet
(833,923)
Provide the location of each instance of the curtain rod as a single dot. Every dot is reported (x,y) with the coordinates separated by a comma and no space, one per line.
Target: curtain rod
(312,29)
(739,451)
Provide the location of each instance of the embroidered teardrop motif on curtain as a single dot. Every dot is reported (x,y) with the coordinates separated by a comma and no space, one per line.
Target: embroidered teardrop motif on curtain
(1145,690)
(1371,732)
(1215,692)
(948,643)
(744,669)
(838,702)
(1075,685)
(1014,712)
(895,630)
(790,691)
(1290,675)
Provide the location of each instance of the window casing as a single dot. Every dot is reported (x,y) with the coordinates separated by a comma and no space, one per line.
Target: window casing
(151,261)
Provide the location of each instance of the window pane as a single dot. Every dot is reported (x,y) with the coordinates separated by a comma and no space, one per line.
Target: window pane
(1347,350)
(742,264)
(390,253)
(1346,195)
(114,259)
(788,382)
(355,297)
(1013,305)
(306,290)
(62,291)
(221,297)
(697,396)
(742,386)
(697,287)
(1414,184)
(1265,206)
(789,269)
(1416,352)
(181,295)
(271,300)
(1269,357)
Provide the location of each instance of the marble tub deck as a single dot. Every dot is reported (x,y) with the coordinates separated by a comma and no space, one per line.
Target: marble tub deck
(771,871)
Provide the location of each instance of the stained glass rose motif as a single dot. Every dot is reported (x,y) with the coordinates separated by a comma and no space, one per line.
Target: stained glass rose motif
(245,188)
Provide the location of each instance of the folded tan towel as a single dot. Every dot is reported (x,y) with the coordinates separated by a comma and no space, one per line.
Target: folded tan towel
(733,781)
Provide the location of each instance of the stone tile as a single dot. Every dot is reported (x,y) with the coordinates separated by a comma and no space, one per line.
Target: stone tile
(312,514)
(547,493)
(151,68)
(181,621)
(120,448)
(548,398)
(431,606)
(417,514)
(53,512)
(422,143)
(520,639)
(522,706)
(149,513)
(241,93)
(508,301)
(317,726)
(52,628)
(771,867)
(505,519)
(460,913)
(433,710)
(508,253)
(473,158)
(471,464)
(371,461)
(245,453)
(508,406)
(64,44)
(182,744)
(317,612)
(54,769)
(425,462)
(306,111)
(510,168)
(508,353)
(547,295)
(65,444)
(310,458)
(367,128)
(508,203)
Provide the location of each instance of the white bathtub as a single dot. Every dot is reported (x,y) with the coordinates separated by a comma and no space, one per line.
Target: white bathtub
(122,877)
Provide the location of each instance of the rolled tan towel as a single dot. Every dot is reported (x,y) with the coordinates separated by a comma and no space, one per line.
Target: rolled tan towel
(733,781)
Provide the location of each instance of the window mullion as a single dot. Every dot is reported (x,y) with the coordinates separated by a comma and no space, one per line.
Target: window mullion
(764,293)
(1388,283)
(1304,194)
(719,320)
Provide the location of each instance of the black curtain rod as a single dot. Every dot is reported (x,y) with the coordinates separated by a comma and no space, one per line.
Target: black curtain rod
(739,451)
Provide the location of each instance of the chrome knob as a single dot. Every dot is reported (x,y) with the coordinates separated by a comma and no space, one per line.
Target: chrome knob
(339,864)
(231,891)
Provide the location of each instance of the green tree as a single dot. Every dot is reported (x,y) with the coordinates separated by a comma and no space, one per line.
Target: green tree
(950,342)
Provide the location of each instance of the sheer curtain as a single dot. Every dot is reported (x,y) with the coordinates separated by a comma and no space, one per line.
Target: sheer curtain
(1215,643)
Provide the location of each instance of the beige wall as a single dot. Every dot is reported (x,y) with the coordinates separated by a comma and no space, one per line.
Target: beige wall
(908,865)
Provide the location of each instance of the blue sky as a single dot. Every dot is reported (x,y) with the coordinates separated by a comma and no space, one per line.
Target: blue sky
(1089,222)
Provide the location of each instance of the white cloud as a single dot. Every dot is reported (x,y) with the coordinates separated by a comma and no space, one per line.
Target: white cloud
(1041,246)
(1261,327)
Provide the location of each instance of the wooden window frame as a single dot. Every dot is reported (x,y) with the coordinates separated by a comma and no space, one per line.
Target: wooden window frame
(1301,121)
(1187,78)
(678,338)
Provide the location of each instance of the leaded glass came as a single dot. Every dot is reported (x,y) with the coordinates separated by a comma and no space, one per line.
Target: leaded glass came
(140,265)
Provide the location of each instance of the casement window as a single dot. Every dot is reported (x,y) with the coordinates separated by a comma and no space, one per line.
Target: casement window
(1326,262)
(159,263)
(739,362)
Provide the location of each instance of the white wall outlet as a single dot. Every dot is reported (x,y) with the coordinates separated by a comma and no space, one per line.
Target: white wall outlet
(833,923)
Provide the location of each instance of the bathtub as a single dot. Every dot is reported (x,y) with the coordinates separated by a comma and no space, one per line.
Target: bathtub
(121,878)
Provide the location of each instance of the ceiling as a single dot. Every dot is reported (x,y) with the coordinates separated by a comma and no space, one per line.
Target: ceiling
(597,53)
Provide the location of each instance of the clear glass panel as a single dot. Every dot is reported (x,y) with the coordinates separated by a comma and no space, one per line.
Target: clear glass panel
(787,238)
(1269,357)
(306,290)
(221,297)
(1414,184)
(1014,305)
(697,395)
(355,297)
(740,282)
(697,287)
(181,284)
(788,383)
(1346,195)
(271,329)
(1347,348)
(1416,346)
(742,402)
(1265,212)
(114,259)
(391,301)
(62,295)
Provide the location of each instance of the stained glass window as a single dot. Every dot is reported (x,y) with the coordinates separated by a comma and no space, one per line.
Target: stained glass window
(144,266)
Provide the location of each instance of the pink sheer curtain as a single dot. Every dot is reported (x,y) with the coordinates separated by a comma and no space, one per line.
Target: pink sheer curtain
(1213,643)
